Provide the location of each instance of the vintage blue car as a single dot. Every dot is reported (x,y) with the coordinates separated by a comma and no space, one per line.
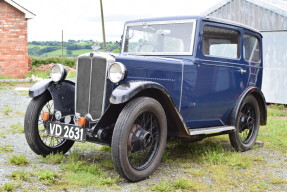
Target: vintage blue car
(190,77)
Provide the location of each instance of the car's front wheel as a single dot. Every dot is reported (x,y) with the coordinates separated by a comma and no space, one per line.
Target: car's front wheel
(247,125)
(35,131)
(139,138)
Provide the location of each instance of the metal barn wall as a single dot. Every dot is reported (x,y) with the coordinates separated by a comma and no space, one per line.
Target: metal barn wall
(248,13)
(274,83)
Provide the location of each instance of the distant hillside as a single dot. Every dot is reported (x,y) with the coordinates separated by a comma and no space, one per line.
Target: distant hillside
(71,48)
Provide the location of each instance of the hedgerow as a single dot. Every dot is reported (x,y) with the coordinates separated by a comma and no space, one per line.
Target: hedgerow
(37,61)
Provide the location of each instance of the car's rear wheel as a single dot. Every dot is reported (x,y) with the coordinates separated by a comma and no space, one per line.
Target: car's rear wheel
(247,125)
(139,138)
(35,131)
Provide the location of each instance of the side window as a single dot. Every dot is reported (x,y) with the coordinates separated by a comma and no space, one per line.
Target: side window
(220,42)
(251,48)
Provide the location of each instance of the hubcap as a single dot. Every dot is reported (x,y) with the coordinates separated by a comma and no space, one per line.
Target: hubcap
(143,140)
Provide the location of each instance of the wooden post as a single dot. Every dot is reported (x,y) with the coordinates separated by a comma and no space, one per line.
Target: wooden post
(103,26)
(62,43)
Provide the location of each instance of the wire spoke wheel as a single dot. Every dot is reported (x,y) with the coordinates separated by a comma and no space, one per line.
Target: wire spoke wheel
(247,125)
(35,131)
(247,122)
(139,138)
(50,141)
(142,148)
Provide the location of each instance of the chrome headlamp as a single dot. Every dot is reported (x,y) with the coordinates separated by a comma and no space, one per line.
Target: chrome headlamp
(117,72)
(58,73)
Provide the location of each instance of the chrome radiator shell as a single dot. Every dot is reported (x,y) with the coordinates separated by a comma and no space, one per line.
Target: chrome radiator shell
(93,88)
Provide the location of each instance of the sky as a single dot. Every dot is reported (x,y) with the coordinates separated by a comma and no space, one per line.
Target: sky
(81,19)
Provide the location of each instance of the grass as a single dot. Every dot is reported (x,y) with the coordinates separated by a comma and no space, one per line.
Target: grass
(105,148)
(274,135)
(2,134)
(80,166)
(276,111)
(7,110)
(46,74)
(6,85)
(276,180)
(107,164)
(18,160)
(58,52)
(81,51)
(20,175)
(53,159)
(5,77)
(40,46)
(178,184)
(39,74)
(6,148)
(48,177)
(17,128)
(9,186)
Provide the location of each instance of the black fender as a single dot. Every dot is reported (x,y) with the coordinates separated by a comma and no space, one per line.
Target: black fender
(131,89)
(257,93)
(63,94)
(39,88)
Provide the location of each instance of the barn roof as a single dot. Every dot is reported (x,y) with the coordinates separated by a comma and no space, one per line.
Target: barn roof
(28,14)
(277,6)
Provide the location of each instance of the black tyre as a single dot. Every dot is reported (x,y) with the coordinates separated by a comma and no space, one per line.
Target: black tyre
(139,138)
(247,125)
(35,131)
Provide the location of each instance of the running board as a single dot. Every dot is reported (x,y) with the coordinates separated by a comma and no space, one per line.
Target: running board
(209,130)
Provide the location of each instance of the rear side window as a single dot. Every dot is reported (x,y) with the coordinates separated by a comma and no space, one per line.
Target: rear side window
(220,42)
(251,48)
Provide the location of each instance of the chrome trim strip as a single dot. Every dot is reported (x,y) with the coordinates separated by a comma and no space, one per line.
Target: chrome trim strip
(105,87)
(216,61)
(91,71)
(76,84)
(210,130)
(238,67)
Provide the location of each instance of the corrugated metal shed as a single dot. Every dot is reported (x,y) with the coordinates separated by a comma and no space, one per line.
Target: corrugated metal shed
(259,14)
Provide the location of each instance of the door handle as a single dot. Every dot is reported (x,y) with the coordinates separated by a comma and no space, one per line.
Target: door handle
(242,71)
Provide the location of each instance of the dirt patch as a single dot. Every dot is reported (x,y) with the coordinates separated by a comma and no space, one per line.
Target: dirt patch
(280,117)
(47,67)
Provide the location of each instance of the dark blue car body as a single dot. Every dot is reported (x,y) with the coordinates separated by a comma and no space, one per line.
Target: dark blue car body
(204,89)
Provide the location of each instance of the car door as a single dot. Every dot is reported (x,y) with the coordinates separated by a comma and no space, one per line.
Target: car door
(221,75)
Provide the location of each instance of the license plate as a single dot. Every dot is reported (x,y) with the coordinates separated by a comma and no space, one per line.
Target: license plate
(70,132)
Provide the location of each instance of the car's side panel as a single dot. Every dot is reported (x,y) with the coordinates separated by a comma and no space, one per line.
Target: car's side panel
(164,71)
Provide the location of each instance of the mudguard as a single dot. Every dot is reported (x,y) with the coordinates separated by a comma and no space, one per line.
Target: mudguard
(63,94)
(39,88)
(257,93)
(128,90)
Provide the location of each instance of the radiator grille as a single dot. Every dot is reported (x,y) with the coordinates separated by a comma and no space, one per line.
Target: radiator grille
(91,86)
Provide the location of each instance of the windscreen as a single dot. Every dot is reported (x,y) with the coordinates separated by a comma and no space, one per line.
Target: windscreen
(159,38)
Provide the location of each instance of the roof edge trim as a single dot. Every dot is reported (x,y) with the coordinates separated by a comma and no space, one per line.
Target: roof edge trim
(28,14)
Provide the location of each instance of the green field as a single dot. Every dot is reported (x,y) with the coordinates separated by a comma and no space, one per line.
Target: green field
(54,48)
(40,46)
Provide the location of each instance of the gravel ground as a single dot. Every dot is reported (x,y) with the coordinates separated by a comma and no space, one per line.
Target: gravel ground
(275,162)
